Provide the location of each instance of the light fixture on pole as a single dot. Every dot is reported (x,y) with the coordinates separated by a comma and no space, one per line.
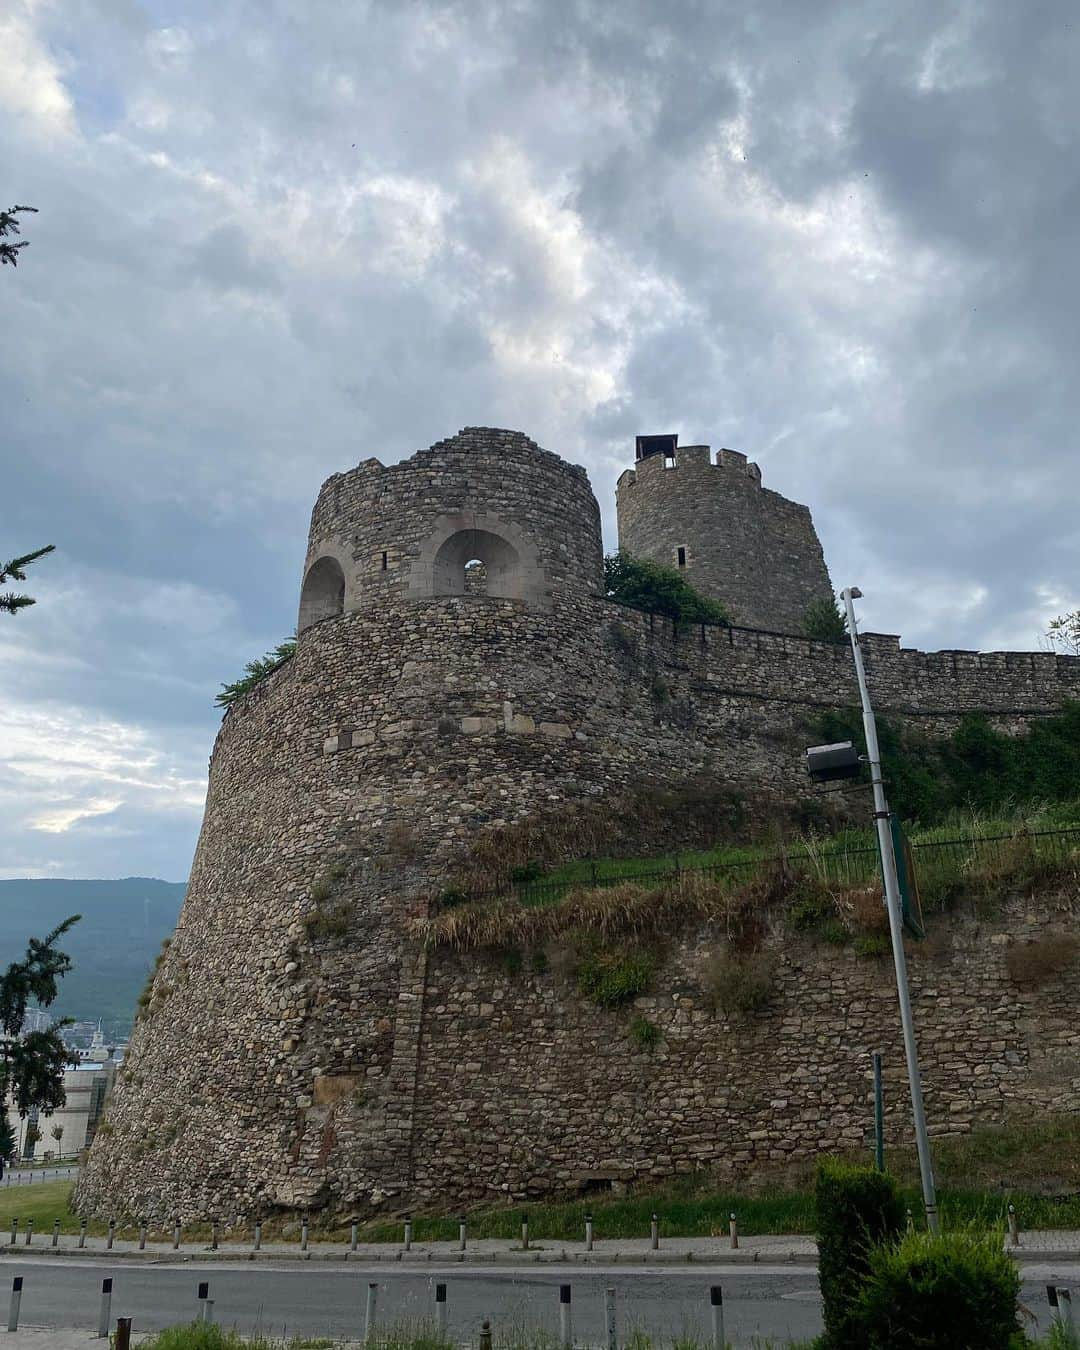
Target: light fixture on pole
(883,825)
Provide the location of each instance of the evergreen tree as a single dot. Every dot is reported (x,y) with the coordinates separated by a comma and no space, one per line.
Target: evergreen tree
(9,253)
(16,571)
(826,621)
(32,1063)
(256,671)
(7,1140)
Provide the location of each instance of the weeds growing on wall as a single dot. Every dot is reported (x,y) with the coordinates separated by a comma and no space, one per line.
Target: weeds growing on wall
(613,977)
(740,985)
(976,768)
(645,1035)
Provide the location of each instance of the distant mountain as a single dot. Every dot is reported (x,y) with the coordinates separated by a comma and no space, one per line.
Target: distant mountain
(112,947)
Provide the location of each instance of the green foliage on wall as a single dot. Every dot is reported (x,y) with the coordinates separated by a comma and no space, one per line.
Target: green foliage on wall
(643,584)
(255,672)
(825,621)
(613,977)
(976,768)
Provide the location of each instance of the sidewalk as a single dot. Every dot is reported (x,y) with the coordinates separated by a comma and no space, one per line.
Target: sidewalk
(770,1249)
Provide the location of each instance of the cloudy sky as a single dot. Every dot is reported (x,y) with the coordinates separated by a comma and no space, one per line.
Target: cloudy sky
(278,236)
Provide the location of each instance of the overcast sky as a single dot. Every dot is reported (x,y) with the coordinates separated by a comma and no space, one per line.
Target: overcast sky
(279,236)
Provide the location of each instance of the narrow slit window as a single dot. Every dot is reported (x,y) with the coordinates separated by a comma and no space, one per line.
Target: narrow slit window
(384,562)
(682,555)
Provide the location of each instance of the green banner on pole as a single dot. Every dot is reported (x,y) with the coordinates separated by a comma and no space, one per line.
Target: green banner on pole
(911,905)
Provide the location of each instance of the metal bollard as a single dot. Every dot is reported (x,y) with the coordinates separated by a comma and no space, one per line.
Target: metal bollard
(1064,1305)
(213,1235)
(654,1233)
(609,1319)
(524,1232)
(461,1235)
(303,1233)
(123,1333)
(716,1302)
(14,1227)
(566,1330)
(733,1229)
(369,1312)
(258,1235)
(1014,1228)
(104,1317)
(16,1299)
(82,1234)
(56,1233)
(354,1238)
(485,1335)
(440,1310)
(588,1232)
(29,1231)
(910,1222)
(205,1315)
(176,1233)
(112,1235)
(142,1235)
(408,1232)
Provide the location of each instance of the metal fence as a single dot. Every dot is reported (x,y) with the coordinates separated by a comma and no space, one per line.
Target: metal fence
(936,860)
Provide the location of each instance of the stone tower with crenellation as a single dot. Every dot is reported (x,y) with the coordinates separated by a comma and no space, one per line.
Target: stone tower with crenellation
(734,540)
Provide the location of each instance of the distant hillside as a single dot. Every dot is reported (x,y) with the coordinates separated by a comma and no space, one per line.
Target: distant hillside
(112,947)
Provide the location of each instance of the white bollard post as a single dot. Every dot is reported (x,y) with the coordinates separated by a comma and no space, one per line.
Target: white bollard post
(213,1235)
(104,1318)
(176,1233)
(440,1310)
(1014,1228)
(716,1302)
(609,1319)
(142,1235)
(14,1229)
(204,1299)
(524,1232)
(82,1234)
(354,1234)
(29,1231)
(303,1233)
(461,1235)
(56,1233)
(16,1299)
(566,1328)
(588,1232)
(733,1229)
(258,1235)
(654,1233)
(1065,1313)
(408,1232)
(369,1313)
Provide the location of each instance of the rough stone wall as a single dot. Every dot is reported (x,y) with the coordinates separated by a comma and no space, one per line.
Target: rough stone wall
(742,544)
(298,1050)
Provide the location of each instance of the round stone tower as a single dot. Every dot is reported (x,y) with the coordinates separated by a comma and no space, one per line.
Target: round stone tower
(274,1063)
(734,540)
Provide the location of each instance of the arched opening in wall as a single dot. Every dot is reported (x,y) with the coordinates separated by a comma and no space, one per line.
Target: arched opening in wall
(477,562)
(323,593)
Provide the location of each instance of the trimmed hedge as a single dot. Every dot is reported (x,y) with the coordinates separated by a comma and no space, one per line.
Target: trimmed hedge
(857,1209)
(938,1291)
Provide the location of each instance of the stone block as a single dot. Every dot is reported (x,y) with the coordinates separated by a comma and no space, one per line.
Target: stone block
(477,726)
(556,730)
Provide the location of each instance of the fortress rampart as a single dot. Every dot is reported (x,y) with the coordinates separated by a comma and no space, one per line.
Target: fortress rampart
(300,1050)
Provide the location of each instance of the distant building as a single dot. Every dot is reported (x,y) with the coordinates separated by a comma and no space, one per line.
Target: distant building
(88,1083)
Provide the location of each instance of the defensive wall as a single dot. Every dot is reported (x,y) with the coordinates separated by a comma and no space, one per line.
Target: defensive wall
(301,1050)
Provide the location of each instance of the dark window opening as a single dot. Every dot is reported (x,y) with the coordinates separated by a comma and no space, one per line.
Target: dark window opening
(682,556)
(645,446)
(384,562)
(596,1185)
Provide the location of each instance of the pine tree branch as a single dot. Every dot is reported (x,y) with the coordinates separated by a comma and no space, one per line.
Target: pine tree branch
(16,569)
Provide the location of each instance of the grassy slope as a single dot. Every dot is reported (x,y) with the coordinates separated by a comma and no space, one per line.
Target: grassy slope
(977,1176)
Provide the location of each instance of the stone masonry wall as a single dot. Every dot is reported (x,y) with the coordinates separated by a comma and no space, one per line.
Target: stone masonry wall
(299,1050)
(742,544)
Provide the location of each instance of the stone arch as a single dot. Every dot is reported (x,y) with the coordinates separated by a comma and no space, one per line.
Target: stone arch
(322,595)
(510,563)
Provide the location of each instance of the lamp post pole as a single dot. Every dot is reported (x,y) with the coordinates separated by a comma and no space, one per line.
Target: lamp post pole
(883,826)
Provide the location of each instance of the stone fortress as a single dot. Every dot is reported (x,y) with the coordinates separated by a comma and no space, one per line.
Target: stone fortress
(302,1048)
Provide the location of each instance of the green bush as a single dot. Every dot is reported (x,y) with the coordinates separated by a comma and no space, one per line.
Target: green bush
(937,1291)
(646,1035)
(857,1208)
(642,584)
(826,621)
(612,978)
(740,985)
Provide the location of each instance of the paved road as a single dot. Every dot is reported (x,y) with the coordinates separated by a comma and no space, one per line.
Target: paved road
(774,1302)
(28,1177)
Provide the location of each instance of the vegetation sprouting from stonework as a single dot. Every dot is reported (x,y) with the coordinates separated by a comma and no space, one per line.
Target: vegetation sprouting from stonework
(255,672)
(825,621)
(976,768)
(642,584)
(612,977)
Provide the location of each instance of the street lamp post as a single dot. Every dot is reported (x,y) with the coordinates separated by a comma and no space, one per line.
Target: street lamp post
(883,825)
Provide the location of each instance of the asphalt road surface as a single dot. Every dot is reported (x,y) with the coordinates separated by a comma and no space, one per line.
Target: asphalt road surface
(771,1302)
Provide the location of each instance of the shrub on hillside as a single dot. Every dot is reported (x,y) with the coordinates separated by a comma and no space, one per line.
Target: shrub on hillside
(642,584)
(937,1291)
(857,1209)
